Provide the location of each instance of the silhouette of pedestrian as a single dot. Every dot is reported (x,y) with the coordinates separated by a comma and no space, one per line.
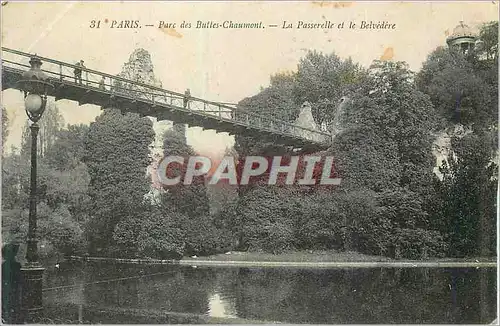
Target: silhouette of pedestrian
(187,96)
(101,83)
(11,284)
(78,72)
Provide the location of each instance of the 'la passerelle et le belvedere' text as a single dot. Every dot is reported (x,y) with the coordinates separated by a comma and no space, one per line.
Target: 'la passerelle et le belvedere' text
(229,24)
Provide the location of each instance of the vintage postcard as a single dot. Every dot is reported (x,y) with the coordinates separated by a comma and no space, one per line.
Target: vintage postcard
(297,162)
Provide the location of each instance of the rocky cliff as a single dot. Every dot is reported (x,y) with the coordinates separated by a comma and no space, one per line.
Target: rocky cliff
(336,125)
(306,120)
(140,68)
(441,148)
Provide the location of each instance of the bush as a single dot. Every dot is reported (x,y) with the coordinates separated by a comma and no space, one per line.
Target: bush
(58,233)
(64,233)
(268,218)
(204,238)
(320,223)
(153,234)
(419,243)
(273,237)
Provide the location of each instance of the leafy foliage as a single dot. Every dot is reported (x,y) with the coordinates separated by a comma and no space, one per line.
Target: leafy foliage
(469,191)
(389,123)
(92,180)
(117,178)
(62,192)
(5,127)
(50,123)
(457,88)
(323,79)
(15,171)
(59,233)
(69,147)
(464,89)
(59,228)
(489,36)
(190,200)
(154,233)
(267,219)
(319,223)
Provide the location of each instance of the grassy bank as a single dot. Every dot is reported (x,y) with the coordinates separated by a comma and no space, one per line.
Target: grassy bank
(324,256)
(327,259)
(296,256)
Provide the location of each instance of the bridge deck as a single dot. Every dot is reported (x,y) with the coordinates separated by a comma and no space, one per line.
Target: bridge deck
(132,96)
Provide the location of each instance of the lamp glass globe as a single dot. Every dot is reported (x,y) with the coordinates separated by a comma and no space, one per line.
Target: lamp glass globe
(33,103)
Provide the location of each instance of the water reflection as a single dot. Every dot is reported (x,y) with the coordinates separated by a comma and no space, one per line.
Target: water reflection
(333,296)
(220,306)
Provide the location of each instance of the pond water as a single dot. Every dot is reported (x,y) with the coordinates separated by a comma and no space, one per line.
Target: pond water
(289,295)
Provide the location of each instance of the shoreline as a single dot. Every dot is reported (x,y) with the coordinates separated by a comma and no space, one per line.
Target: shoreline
(195,262)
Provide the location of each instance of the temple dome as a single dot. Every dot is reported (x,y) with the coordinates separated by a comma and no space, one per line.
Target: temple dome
(462,31)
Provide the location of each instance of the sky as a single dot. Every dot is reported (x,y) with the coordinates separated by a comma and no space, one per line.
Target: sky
(221,64)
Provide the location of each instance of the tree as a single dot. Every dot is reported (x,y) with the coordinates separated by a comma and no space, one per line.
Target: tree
(62,196)
(68,188)
(319,223)
(65,178)
(408,224)
(489,36)
(391,124)
(117,155)
(275,101)
(385,148)
(68,149)
(15,185)
(154,233)
(50,123)
(190,200)
(323,79)
(458,88)
(188,205)
(222,194)
(5,127)
(464,89)
(267,219)
(58,227)
(58,232)
(373,165)
(469,187)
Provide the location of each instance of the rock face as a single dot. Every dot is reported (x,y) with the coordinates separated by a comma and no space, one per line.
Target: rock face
(306,120)
(441,148)
(336,126)
(139,68)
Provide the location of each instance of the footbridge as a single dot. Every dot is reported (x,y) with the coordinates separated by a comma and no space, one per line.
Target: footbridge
(106,90)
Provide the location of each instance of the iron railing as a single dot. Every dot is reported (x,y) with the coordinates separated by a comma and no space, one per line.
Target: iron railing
(116,85)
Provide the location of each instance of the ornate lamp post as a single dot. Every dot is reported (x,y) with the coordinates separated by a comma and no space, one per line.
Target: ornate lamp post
(35,86)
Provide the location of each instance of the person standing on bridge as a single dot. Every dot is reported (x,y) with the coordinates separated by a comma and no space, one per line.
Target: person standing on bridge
(101,83)
(78,71)
(187,96)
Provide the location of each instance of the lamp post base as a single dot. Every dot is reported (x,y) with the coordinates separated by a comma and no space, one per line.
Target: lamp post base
(32,292)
